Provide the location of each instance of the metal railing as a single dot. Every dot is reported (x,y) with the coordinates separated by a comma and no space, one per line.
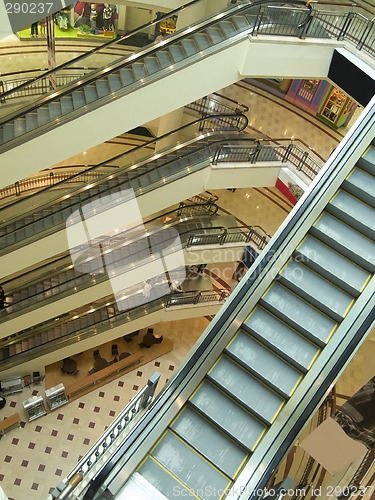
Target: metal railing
(87,328)
(37,87)
(259,151)
(117,429)
(273,20)
(221,236)
(316,23)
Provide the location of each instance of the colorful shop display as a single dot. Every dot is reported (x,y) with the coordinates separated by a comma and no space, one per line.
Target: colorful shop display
(323,100)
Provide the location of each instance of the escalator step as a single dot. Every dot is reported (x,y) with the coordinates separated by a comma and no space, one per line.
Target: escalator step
(202,41)
(187,465)
(281,338)
(189,47)
(215,34)
(332,265)
(345,240)
(43,115)
(164,58)
(8,131)
(240,22)
(228,415)
(219,449)
(353,212)
(102,88)
(367,161)
(152,65)
(54,109)
(316,290)
(66,104)
(90,93)
(114,82)
(227,28)
(362,185)
(164,482)
(127,76)
(19,126)
(246,389)
(78,99)
(298,313)
(264,364)
(139,70)
(176,53)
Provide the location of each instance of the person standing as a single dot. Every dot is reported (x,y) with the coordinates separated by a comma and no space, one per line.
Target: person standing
(34,29)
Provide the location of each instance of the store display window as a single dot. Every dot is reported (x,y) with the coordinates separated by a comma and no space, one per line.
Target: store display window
(334,105)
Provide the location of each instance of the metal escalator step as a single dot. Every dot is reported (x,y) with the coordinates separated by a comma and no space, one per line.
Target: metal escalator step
(264,364)
(332,265)
(31,121)
(114,82)
(215,446)
(19,126)
(187,465)
(43,115)
(8,131)
(228,415)
(316,290)
(353,212)
(228,29)
(66,103)
(281,338)
(202,40)
(54,109)
(102,88)
(299,314)
(362,185)
(164,58)
(245,388)
(215,34)
(367,161)
(345,240)
(176,53)
(240,22)
(139,70)
(160,478)
(90,93)
(189,47)
(152,64)
(78,98)
(127,76)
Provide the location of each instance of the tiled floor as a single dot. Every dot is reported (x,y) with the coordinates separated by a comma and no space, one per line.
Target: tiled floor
(35,457)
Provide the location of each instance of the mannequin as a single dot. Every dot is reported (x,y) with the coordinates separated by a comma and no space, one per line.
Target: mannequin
(107,17)
(93,16)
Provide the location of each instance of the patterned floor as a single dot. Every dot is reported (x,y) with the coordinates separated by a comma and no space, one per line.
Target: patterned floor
(35,457)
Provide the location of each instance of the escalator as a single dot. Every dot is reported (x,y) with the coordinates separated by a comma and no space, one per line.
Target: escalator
(148,65)
(116,258)
(271,354)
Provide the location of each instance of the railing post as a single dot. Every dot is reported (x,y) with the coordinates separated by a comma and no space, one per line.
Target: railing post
(17,188)
(223,237)
(197,298)
(254,157)
(258,21)
(366,33)
(216,155)
(307,25)
(302,160)
(287,153)
(152,382)
(2,99)
(346,25)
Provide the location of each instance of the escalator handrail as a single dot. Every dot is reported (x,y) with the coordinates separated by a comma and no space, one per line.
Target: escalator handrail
(228,314)
(186,31)
(97,49)
(137,148)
